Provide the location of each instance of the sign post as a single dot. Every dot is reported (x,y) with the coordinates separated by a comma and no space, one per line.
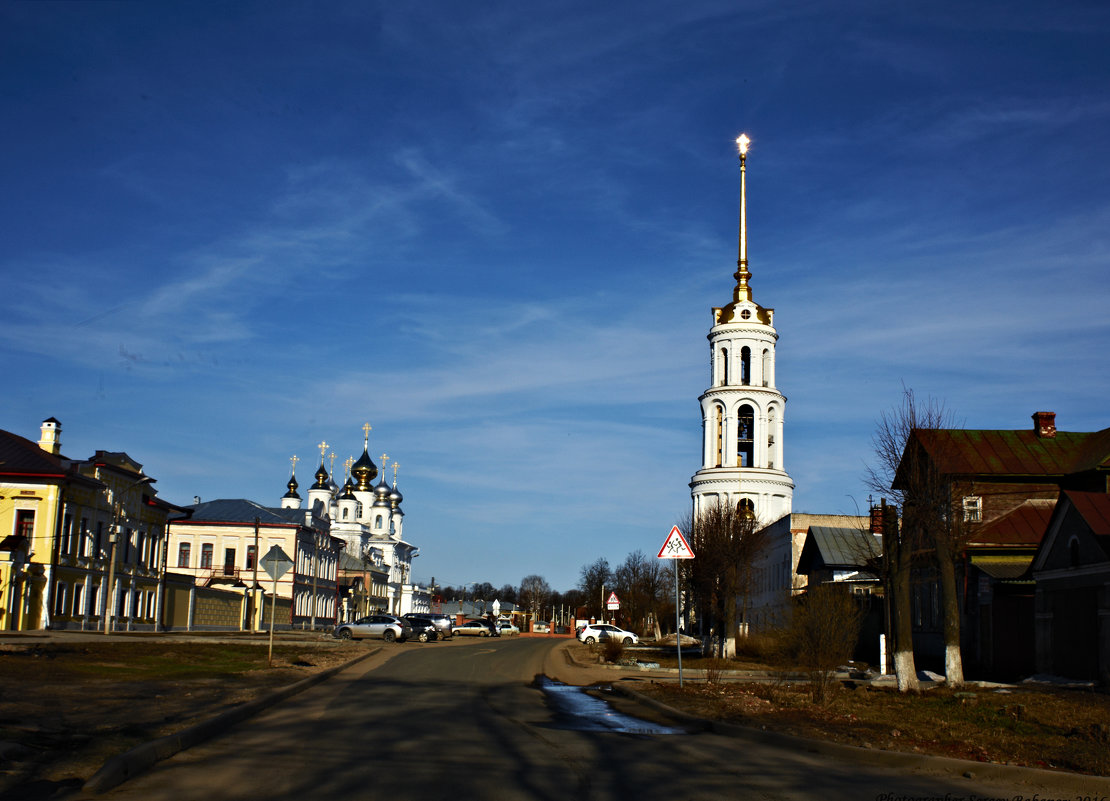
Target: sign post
(276,563)
(676,547)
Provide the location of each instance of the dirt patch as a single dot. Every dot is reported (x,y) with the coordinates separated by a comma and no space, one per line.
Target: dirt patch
(1032,726)
(66,708)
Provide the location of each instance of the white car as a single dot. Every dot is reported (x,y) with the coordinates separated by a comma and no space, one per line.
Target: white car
(603,631)
(507,628)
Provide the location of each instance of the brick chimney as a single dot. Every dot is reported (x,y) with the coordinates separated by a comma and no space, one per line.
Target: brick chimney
(877,519)
(50,438)
(1044,424)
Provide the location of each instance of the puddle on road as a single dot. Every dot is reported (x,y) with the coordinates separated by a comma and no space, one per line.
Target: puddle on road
(576,710)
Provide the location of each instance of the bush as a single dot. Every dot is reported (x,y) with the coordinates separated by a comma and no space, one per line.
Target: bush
(612,649)
(770,647)
(822,635)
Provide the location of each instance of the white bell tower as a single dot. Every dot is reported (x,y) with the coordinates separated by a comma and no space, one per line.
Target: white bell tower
(743,410)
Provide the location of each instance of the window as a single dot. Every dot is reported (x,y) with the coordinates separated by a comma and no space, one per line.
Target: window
(724,366)
(99,544)
(77,593)
(229,561)
(25,523)
(60,599)
(378,522)
(745,366)
(766,368)
(252,554)
(720,423)
(184,554)
(67,535)
(973,509)
(206,556)
(745,437)
(84,547)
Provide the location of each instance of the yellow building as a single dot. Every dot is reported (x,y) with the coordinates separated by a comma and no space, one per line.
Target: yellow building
(70,529)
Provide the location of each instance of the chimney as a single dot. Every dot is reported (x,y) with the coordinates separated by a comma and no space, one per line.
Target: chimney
(876,519)
(1044,424)
(50,440)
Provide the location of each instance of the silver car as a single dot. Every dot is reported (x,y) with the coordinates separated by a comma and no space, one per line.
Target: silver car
(378,627)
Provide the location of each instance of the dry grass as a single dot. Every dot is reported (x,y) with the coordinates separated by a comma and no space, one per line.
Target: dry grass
(67,707)
(1031,726)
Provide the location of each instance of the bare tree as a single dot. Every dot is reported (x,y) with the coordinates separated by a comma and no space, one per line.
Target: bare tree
(725,540)
(638,585)
(904,468)
(534,594)
(591,579)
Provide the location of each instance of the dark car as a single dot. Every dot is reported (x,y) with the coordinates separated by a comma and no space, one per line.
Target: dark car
(442,622)
(422,630)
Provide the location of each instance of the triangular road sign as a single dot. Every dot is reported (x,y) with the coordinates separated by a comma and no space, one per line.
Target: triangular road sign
(676,546)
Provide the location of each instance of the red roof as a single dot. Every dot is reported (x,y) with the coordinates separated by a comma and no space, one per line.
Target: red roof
(1095,509)
(1014,453)
(1024,526)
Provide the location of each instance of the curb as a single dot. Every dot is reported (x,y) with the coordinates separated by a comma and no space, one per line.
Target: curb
(129,764)
(1055,781)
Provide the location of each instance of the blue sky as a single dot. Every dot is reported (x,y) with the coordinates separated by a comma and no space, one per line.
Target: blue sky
(495,231)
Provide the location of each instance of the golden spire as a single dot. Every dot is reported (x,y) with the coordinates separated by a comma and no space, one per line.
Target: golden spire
(743,291)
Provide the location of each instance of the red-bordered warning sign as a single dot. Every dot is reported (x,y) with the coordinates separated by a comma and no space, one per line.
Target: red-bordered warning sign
(676,546)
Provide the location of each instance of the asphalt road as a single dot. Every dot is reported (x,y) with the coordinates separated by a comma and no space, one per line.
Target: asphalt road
(462,720)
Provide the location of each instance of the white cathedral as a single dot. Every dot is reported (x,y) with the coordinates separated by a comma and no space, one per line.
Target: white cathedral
(743,410)
(369,519)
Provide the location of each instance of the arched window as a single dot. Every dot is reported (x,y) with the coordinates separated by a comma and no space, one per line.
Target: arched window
(766,367)
(746,507)
(771,429)
(724,366)
(346,512)
(745,365)
(745,437)
(720,423)
(183,554)
(378,522)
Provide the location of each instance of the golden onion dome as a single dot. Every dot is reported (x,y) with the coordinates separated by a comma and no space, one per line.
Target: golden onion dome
(364,471)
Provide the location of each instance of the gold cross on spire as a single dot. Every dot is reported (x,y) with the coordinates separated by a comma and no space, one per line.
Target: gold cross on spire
(395,465)
(347,464)
(366,429)
(331,457)
(323,446)
(293,461)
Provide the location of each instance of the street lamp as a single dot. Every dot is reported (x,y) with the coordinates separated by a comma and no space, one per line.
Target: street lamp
(113,536)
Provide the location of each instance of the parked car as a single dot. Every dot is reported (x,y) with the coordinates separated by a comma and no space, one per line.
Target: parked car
(423,630)
(507,629)
(379,627)
(604,631)
(476,628)
(442,622)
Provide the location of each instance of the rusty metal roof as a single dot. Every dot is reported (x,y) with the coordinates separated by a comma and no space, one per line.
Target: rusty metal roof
(1094,508)
(1023,526)
(1014,453)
